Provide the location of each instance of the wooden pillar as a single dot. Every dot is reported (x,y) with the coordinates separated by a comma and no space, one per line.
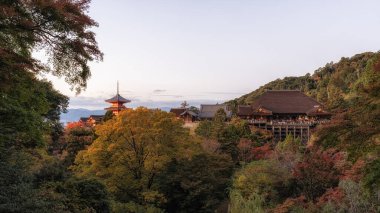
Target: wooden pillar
(286,130)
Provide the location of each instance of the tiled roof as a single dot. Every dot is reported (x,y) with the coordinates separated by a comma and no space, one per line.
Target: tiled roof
(97,118)
(117,98)
(190,113)
(285,101)
(83,119)
(177,111)
(209,110)
(317,110)
(244,110)
(115,108)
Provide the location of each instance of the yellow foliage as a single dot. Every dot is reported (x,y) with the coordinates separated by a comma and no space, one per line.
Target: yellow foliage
(132,148)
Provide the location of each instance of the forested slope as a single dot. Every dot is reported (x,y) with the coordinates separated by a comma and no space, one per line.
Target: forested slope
(339,170)
(350,89)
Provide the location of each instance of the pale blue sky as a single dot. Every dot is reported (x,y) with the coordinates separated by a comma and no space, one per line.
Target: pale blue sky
(163,52)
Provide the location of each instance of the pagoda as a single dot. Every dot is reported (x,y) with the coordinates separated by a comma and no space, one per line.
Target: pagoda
(117,102)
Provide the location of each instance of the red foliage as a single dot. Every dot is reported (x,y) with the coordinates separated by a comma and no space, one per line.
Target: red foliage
(78,124)
(334,195)
(319,171)
(262,152)
(244,146)
(355,173)
(290,203)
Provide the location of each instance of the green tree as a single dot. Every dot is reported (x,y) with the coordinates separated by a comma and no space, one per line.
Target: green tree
(264,178)
(30,107)
(239,204)
(196,185)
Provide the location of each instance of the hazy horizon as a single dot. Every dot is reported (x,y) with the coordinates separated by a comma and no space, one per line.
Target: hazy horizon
(164,52)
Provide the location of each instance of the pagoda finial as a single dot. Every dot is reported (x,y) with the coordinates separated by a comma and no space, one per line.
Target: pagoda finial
(118,87)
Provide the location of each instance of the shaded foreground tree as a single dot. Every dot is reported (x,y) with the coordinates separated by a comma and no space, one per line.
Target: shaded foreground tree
(59,28)
(197,184)
(30,107)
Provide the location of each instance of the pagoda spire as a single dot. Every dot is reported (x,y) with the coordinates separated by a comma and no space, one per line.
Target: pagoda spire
(117,102)
(117,87)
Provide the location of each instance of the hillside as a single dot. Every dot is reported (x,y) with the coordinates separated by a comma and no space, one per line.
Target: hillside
(349,88)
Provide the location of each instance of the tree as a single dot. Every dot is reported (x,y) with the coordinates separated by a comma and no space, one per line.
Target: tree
(78,136)
(130,152)
(184,104)
(265,178)
(318,171)
(109,115)
(197,184)
(205,129)
(30,107)
(60,28)
(239,204)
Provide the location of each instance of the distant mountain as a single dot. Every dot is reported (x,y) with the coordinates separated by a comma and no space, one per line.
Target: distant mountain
(75,114)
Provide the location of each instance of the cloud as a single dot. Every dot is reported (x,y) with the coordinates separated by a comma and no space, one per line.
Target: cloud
(159,91)
(172,96)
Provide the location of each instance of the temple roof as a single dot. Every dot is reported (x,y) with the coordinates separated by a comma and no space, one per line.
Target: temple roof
(286,102)
(209,110)
(117,98)
(194,114)
(97,118)
(177,111)
(244,110)
(112,108)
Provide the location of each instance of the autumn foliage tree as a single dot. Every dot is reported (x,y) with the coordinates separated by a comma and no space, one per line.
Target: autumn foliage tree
(318,171)
(130,152)
(78,136)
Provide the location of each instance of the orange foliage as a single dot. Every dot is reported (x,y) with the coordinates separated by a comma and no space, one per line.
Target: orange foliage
(78,124)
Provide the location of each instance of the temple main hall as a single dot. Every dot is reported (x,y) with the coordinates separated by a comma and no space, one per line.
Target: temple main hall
(285,112)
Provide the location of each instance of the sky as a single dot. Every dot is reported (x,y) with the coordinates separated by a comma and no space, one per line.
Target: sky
(163,52)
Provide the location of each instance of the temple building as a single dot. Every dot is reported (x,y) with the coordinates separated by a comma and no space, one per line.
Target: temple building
(285,112)
(208,111)
(186,114)
(117,102)
(92,120)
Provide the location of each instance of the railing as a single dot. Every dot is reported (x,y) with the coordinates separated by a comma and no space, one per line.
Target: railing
(288,122)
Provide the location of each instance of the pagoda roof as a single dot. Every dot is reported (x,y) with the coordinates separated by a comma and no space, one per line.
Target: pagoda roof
(117,98)
(286,102)
(115,108)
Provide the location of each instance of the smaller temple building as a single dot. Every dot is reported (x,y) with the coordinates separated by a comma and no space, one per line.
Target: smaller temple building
(92,119)
(208,111)
(186,114)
